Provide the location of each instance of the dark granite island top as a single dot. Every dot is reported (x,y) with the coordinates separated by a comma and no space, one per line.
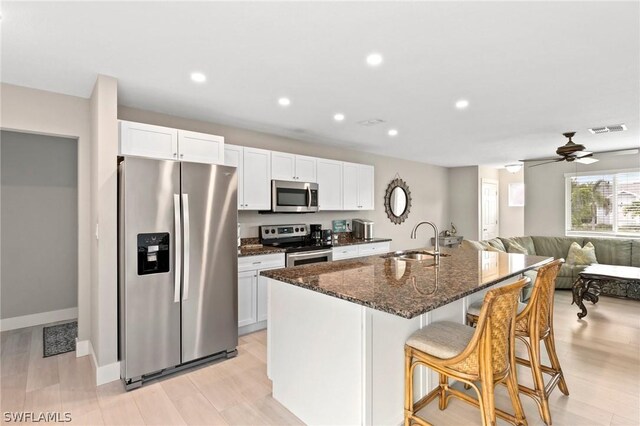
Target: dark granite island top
(408,288)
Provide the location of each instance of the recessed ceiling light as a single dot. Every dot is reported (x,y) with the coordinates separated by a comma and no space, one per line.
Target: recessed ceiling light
(462,104)
(374,59)
(338,117)
(198,77)
(392,132)
(284,102)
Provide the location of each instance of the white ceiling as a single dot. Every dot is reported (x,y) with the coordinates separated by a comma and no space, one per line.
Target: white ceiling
(529,70)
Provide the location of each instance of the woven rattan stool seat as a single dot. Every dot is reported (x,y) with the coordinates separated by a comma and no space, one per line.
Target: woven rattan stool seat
(443,339)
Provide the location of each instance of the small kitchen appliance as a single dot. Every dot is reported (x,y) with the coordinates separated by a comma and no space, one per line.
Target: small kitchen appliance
(362,229)
(294,197)
(315,232)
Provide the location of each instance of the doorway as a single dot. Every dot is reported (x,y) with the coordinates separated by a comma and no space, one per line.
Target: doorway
(39,239)
(489,218)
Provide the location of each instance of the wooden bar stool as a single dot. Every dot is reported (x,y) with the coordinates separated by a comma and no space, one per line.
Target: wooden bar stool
(533,324)
(484,354)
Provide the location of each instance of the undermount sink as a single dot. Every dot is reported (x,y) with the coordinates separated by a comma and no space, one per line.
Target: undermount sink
(415,255)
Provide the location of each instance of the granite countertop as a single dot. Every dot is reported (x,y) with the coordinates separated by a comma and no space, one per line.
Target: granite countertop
(349,241)
(252,246)
(255,251)
(408,288)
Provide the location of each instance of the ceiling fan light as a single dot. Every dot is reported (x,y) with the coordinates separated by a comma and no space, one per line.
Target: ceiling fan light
(513,168)
(586,160)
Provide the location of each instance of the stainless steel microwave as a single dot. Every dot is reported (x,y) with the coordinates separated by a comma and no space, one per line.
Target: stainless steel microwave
(294,197)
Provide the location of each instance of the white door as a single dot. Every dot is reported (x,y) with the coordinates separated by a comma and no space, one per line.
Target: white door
(247,298)
(329,177)
(233,157)
(489,210)
(146,140)
(283,166)
(349,186)
(200,147)
(365,187)
(257,179)
(306,168)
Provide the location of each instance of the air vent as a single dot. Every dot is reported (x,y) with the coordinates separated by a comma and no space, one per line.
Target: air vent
(607,129)
(372,122)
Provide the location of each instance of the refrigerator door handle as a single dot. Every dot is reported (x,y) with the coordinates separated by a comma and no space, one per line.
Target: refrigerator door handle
(185,209)
(177,248)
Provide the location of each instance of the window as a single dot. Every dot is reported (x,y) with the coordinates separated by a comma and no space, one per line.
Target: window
(606,203)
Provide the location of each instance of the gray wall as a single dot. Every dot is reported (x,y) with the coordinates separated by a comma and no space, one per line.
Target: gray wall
(39,224)
(544,211)
(511,218)
(428,184)
(464,200)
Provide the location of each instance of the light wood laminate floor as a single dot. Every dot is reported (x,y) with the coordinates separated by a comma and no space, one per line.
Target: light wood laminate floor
(600,356)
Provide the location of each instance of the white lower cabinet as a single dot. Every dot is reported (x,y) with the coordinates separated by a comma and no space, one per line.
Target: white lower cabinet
(252,290)
(360,250)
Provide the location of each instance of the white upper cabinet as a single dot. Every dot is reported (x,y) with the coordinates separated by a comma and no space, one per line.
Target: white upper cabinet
(164,143)
(330,184)
(350,186)
(200,147)
(365,187)
(285,166)
(306,168)
(257,179)
(234,157)
(358,186)
(146,140)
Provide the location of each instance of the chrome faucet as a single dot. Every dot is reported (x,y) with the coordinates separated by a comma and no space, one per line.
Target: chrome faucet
(436,249)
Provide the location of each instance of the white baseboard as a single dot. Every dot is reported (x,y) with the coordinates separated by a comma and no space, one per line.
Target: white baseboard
(105,373)
(38,319)
(82,348)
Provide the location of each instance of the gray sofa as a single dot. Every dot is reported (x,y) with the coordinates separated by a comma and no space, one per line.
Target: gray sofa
(610,251)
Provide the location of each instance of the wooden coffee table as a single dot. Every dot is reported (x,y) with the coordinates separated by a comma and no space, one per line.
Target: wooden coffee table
(587,286)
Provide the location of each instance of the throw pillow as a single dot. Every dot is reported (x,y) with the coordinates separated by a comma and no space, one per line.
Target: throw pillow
(516,248)
(581,255)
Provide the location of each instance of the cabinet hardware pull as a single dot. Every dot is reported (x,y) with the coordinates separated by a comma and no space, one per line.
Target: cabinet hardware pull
(257,263)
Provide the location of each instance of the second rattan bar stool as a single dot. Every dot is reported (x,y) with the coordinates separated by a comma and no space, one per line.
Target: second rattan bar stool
(484,354)
(535,323)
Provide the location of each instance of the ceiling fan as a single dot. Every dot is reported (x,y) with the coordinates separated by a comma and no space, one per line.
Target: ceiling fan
(568,152)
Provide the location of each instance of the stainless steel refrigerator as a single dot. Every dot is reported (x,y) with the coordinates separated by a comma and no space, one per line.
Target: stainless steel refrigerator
(178,266)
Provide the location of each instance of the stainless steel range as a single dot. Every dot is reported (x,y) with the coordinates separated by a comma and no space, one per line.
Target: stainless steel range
(299,247)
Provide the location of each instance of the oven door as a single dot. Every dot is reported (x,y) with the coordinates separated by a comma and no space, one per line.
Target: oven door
(294,197)
(307,257)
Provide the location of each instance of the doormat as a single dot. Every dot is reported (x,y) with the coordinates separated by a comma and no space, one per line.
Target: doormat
(59,339)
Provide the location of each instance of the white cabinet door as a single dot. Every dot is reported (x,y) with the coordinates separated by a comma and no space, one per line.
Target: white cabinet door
(146,140)
(247,298)
(329,174)
(233,157)
(257,179)
(200,147)
(345,252)
(283,166)
(374,248)
(349,186)
(306,168)
(365,187)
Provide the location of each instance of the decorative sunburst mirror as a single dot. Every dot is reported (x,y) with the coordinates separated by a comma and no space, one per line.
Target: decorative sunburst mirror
(397,201)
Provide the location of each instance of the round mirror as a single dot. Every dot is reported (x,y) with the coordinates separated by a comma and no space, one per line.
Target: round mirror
(397,201)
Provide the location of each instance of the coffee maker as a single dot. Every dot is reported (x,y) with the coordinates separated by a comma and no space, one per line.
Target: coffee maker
(315,232)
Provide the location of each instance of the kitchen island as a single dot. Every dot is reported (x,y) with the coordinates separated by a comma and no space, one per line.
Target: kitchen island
(337,330)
